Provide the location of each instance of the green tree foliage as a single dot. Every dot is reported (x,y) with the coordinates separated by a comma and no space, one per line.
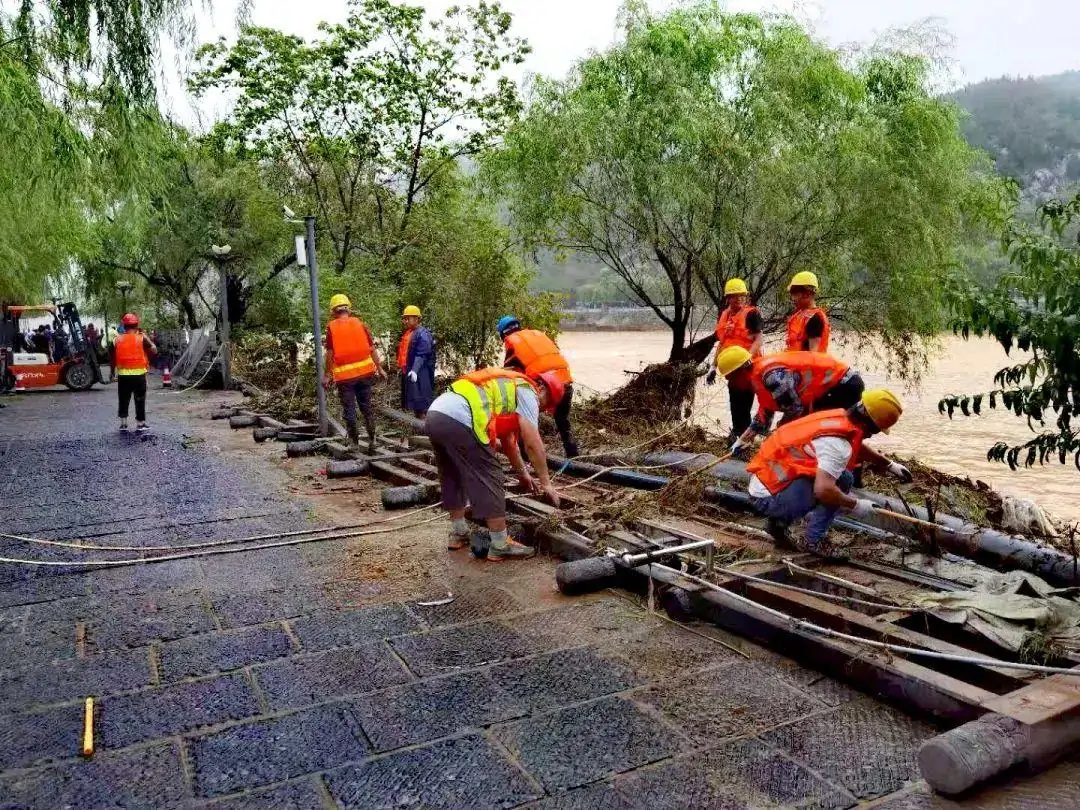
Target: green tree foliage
(1026,124)
(1034,308)
(711,145)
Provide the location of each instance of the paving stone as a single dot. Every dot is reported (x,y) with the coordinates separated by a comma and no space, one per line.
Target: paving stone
(865,747)
(599,622)
(247,572)
(270,751)
(293,796)
(176,575)
(567,676)
(348,628)
(427,710)
(593,797)
(575,746)
(128,719)
(45,589)
(220,652)
(148,778)
(302,680)
(466,607)
(728,701)
(66,680)
(128,629)
(822,687)
(28,738)
(50,641)
(668,652)
(452,649)
(461,774)
(260,608)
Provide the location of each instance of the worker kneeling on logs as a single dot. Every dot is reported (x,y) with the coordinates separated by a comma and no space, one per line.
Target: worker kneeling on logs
(481,411)
(804,467)
(533,353)
(792,383)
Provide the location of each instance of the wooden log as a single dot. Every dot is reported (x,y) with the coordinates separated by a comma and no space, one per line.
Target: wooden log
(262,434)
(347,469)
(298,449)
(270,422)
(242,421)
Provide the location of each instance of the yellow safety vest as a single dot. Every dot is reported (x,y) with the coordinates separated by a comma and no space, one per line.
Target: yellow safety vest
(491,393)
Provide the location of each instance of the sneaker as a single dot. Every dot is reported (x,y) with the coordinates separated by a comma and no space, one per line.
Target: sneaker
(781,533)
(513,550)
(123,426)
(455,542)
(830,551)
(142,426)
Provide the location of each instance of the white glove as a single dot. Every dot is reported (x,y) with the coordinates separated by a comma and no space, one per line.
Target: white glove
(412,376)
(737,446)
(862,508)
(901,472)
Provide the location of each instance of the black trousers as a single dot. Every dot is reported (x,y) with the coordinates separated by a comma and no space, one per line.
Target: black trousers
(742,406)
(128,386)
(353,393)
(844,394)
(562,422)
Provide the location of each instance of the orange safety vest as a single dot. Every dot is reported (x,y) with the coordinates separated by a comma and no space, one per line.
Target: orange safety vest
(789,454)
(537,353)
(731,328)
(796,329)
(817,374)
(131,354)
(499,425)
(403,350)
(351,348)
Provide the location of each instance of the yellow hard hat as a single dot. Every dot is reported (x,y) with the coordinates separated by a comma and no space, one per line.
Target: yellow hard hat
(803,279)
(339,300)
(736,286)
(732,359)
(882,407)
(411,309)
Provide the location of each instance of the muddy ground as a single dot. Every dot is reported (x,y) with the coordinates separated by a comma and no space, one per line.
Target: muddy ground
(316,676)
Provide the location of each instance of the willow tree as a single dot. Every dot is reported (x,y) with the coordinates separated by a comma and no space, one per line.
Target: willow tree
(710,145)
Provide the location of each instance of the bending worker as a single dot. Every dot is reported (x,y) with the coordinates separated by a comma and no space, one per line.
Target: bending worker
(792,383)
(482,410)
(533,353)
(808,327)
(353,365)
(804,468)
(129,356)
(738,325)
(416,362)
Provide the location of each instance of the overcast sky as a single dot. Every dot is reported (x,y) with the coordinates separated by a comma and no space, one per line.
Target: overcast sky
(991,37)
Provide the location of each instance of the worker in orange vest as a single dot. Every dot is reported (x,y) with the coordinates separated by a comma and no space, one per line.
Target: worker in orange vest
(792,383)
(804,467)
(353,364)
(808,327)
(129,356)
(482,411)
(533,353)
(416,362)
(739,325)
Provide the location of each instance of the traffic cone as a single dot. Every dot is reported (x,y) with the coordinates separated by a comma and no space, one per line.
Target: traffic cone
(166,378)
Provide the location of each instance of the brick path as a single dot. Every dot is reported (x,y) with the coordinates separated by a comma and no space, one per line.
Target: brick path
(247,680)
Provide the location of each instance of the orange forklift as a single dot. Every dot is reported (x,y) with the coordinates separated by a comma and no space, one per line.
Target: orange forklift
(70,361)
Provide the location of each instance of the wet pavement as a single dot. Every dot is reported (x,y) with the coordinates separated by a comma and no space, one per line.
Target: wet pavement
(261,680)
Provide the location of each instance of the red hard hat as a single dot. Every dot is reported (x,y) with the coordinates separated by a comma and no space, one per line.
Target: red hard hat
(556,389)
(131,319)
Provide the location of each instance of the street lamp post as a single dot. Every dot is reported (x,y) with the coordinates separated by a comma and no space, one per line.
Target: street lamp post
(305,257)
(124,287)
(220,252)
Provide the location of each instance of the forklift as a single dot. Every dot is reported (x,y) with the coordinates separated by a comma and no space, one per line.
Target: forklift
(24,365)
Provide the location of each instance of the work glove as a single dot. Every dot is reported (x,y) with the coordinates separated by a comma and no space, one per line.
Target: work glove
(412,376)
(710,378)
(862,509)
(737,446)
(901,472)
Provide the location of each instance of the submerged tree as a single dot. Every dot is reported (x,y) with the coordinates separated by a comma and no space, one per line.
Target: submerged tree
(1034,308)
(711,145)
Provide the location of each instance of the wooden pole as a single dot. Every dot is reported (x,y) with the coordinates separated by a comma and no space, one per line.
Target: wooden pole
(226,360)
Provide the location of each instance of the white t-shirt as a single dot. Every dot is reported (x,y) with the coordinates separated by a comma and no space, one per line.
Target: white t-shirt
(457,407)
(833,455)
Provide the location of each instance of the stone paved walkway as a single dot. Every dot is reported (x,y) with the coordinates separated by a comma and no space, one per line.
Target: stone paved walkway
(254,680)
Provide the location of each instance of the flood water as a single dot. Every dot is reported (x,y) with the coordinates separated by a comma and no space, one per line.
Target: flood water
(959,446)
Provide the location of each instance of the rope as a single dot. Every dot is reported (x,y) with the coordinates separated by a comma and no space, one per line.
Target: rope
(205,374)
(802,624)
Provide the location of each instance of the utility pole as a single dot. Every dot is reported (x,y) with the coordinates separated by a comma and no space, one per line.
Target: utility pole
(313,276)
(220,252)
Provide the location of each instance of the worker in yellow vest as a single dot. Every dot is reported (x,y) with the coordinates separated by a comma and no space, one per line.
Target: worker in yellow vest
(353,364)
(130,358)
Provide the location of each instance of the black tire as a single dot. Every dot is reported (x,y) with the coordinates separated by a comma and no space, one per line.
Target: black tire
(79,376)
(7,382)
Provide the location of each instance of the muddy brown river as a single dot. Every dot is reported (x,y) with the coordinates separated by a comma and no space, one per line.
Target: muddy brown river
(959,446)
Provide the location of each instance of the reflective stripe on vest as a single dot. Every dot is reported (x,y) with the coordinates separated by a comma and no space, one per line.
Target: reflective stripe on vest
(131,355)
(789,453)
(818,373)
(731,328)
(491,394)
(351,348)
(796,330)
(538,354)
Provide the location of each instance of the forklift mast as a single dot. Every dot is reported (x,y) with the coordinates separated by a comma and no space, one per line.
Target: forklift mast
(68,315)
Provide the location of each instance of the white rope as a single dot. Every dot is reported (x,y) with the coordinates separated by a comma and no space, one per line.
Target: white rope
(802,624)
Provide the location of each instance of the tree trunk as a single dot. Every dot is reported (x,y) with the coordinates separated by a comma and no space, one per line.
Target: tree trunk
(189,314)
(239,298)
